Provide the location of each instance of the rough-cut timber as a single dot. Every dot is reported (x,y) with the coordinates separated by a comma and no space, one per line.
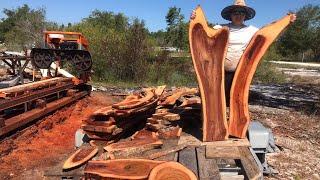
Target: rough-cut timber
(208,49)
(121,168)
(80,157)
(239,110)
(149,94)
(171,170)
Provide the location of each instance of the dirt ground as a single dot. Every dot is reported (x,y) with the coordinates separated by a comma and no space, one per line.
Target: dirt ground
(26,154)
(295,122)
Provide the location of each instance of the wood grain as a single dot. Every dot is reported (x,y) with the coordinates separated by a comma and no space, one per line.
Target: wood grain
(239,110)
(208,50)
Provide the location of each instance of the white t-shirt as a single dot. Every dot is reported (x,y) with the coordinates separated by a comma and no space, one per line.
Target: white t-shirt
(239,39)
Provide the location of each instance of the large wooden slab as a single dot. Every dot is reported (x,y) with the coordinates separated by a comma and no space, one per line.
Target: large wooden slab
(239,111)
(208,50)
(249,165)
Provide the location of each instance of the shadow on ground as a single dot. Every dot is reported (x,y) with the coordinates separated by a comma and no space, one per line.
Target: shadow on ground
(302,98)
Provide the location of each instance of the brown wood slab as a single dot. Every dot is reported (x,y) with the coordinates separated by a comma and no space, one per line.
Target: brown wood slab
(171,170)
(239,110)
(208,168)
(121,168)
(250,166)
(80,157)
(208,49)
(188,158)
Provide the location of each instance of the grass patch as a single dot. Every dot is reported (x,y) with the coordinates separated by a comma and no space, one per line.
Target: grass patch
(267,73)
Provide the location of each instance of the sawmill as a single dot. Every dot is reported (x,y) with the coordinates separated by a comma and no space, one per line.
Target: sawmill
(37,79)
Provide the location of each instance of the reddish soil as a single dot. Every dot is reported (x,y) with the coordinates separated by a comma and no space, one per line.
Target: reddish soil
(46,143)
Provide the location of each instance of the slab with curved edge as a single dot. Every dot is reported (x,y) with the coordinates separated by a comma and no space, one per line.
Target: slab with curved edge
(239,110)
(121,168)
(171,170)
(208,49)
(80,157)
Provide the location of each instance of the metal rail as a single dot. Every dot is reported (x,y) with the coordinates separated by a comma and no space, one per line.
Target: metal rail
(18,121)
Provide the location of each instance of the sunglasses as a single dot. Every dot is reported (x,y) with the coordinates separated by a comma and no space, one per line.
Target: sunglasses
(238,13)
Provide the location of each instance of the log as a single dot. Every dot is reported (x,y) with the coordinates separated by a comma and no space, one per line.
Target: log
(239,109)
(80,157)
(121,168)
(34,85)
(208,49)
(171,170)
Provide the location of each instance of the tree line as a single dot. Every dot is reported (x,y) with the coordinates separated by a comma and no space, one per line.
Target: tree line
(124,49)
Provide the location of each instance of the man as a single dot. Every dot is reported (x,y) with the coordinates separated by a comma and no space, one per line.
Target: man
(239,37)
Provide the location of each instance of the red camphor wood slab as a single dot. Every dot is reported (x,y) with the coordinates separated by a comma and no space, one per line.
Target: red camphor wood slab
(208,50)
(239,110)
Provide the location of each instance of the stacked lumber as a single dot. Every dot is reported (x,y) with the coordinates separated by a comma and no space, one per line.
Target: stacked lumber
(110,122)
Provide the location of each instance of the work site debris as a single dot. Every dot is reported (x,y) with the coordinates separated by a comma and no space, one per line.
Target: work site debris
(146,124)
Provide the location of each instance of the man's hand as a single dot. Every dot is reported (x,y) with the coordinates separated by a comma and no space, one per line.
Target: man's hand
(193,14)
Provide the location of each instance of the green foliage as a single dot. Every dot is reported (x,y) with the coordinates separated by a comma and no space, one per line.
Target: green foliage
(177,29)
(267,73)
(301,40)
(22,27)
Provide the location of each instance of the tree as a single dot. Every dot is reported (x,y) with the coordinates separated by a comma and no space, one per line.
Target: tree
(177,29)
(22,27)
(302,37)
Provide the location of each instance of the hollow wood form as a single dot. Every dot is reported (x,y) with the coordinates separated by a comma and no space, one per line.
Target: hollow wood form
(171,170)
(121,168)
(239,110)
(80,157)
(208,50)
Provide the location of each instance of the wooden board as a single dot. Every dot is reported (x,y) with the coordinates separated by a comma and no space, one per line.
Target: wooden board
(188,158)
(80,157)
(121,168)
(239,109)
(222,152)
(250,166)
(208,168)
(208,49)
(171,170)
(232,142)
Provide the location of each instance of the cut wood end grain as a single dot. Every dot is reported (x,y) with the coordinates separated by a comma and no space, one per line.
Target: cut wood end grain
(171,170)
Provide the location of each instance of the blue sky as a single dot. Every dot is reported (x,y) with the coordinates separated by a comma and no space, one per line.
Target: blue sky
(153,12)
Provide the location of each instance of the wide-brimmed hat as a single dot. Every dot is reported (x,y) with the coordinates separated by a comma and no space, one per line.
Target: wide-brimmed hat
(238,5)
